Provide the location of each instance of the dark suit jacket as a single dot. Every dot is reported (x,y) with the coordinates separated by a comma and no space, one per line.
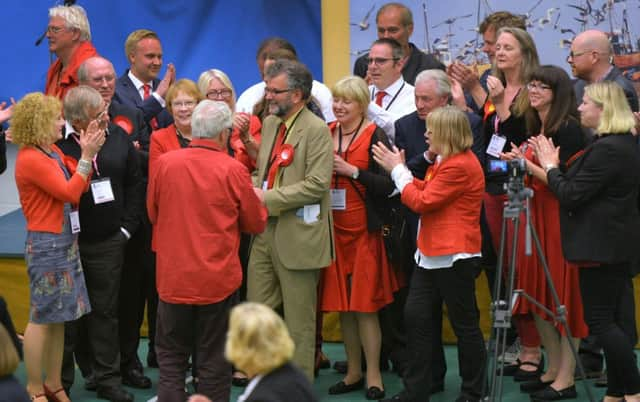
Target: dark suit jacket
(139,132)
(284,384)
(3,152)
(418,61)
(598,197)
(127,94)
(616,76)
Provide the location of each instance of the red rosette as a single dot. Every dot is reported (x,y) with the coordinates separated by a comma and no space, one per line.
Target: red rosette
(286,155)
(124,123)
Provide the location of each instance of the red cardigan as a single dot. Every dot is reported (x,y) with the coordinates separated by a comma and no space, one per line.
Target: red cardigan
(44,189)
(449,202)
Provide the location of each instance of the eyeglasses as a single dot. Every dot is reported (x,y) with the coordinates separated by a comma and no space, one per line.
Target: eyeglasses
(187,104)
(274,91)
(55,30)
(573,55)
(219,94)
(537,87)
(378,61)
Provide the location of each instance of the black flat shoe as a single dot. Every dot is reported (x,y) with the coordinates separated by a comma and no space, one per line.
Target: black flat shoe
(534,385)
(509,370)
(239,381)
(340,366)
(523,375)
(374,393)
(342,388)
(551,394)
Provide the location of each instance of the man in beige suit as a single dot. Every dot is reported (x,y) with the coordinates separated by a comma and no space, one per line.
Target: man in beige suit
(295,163)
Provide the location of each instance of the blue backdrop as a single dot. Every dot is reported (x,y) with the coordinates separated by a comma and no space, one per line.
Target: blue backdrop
(196,35)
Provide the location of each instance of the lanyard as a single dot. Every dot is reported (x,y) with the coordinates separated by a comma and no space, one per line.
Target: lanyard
(95,157)
(394,96)
(55,156)
(355,134)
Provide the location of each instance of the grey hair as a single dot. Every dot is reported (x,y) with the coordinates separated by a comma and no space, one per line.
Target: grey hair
(75,18)
(79,100)
(83,70)
(207,76)
(298,75)
(209,118)
(443,85)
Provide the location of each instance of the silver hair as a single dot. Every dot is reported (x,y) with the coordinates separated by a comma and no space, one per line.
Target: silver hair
(75,18)
(443,85)
(207,76)
(210,118)
(83,70)
(78,101)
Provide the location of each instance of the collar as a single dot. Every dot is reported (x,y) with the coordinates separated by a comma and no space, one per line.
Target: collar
(605,75)
(392,89)
(137,83)
(289,122)
(68,129)
(206,142)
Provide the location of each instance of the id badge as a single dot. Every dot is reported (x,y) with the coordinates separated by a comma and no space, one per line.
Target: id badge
(265,185)
(338,199)
(496,145)
(102,191)
(74,220)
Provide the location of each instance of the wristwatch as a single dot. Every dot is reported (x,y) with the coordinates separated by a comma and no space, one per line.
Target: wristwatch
(355,174)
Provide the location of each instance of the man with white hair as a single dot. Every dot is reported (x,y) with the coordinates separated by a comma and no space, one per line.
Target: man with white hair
(69,37)
(199,200)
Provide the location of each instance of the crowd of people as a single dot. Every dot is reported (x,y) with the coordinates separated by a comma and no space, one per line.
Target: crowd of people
(380,198)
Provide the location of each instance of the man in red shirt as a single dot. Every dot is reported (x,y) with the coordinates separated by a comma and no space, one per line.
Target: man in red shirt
(199,199)
(69,38)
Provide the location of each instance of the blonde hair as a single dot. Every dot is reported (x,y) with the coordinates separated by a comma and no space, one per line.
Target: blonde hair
(33,119)
(9,359)
(352,88)
(207,76)
(616,117)
(449,130)
(257,341)
(75,18)
(135,37)
(185,85)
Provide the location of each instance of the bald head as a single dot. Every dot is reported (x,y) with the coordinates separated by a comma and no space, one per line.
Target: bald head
(590,55)
(594,40)
(98,73)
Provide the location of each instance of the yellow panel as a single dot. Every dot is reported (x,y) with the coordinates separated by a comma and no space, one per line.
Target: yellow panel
(335,40)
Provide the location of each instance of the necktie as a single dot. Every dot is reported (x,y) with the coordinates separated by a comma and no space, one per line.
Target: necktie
(379,96)
(273,166)
(147,92)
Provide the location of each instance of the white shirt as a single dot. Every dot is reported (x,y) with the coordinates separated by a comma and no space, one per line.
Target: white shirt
(319,91)
(140,87)
(399,101)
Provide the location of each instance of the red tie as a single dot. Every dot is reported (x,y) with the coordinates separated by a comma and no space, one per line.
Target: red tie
(147,92)
(379,96)
(273,167)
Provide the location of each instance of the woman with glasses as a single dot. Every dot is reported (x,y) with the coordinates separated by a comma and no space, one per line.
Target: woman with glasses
(244,141)
(516,57)
(182,97)
(49,196)
(553,114)
(600,226)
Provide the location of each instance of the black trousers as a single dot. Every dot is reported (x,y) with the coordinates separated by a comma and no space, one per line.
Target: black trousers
(137,288)
(456,286)
(610,316)
(181,328)
(92,338)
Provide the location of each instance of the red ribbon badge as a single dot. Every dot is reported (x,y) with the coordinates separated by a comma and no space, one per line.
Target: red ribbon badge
(284,158)
(124,123)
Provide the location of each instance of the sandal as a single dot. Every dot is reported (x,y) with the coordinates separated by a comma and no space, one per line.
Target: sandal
(37,396)
(52,395)
(524,375)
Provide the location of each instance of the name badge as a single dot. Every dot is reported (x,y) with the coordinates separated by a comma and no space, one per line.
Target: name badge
(101,190)
(496,145)
(265,184)
(338,199)
(74,220)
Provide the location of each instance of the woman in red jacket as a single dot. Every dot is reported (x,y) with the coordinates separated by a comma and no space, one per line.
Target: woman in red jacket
(449,202)
(49,192)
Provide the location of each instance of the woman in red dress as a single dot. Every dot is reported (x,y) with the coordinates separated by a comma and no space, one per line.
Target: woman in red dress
(360,281)
(552,113)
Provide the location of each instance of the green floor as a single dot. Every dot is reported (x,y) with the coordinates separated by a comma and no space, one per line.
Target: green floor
(335,351)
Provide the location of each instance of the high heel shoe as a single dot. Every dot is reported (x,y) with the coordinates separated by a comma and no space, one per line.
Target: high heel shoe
(52,396)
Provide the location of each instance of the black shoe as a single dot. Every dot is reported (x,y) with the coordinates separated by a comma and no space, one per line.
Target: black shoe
(534,385)
(90,383)
(340,366)
(239,381)
(400,397)
(152,360)
(523,375)
(374,393)
(342,388)
(550,394)
(135,379)
(509,370)
(322,361)
(436,387)
(115,394)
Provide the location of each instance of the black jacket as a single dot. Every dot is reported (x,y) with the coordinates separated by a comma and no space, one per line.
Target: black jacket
(284,384)
(598,197)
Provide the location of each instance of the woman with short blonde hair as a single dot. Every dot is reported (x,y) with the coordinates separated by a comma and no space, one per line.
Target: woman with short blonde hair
(449,131)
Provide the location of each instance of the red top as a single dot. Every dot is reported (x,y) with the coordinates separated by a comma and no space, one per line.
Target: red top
(44,189)
(199,199)
(449,202)
(59,81)
(162,141)
(239,149)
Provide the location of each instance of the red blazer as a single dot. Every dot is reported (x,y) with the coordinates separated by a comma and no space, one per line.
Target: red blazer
(162,141)
(449,202)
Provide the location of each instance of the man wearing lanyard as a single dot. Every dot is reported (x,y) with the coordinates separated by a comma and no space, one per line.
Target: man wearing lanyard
(295,164)
(109,215)
(391,95)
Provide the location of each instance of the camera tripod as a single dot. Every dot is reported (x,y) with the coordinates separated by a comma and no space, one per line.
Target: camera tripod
(518,202)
